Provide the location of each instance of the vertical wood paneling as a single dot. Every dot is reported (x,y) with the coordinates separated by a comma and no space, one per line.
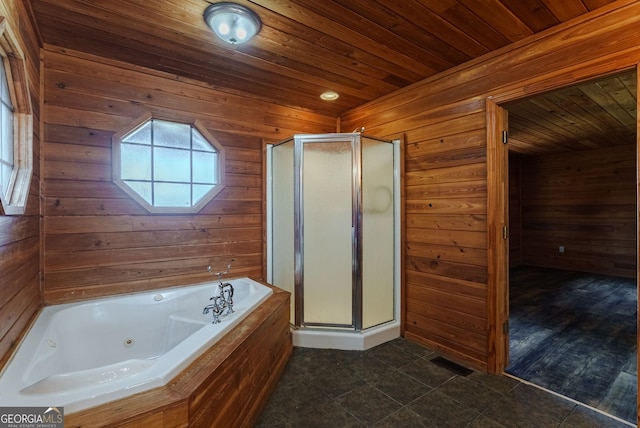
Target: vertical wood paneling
(497,240)
(586,202)
(20,292)
(98,241)
(515,210)
(443,118)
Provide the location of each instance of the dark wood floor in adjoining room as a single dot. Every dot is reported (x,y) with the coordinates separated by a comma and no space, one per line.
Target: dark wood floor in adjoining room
(575,334)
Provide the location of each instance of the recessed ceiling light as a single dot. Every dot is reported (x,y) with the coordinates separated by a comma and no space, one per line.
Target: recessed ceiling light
(329,96)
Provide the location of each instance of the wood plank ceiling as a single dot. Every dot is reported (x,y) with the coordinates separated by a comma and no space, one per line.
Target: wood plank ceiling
(362,49)
(591,115)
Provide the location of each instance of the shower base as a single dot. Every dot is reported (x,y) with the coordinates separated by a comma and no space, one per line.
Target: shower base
(345,340)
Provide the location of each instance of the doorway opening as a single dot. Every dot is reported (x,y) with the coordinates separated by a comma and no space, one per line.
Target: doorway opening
(570,262)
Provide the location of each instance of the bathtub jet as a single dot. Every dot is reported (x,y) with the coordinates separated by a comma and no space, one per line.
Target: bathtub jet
(80,355)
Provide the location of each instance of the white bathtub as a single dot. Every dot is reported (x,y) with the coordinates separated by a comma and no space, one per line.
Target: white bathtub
(79,355)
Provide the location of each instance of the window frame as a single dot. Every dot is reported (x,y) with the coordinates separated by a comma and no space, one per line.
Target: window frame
(14,201)
(116,142)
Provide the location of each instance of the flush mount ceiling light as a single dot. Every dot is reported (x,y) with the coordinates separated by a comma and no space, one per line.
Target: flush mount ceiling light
(329,96)
(233,23)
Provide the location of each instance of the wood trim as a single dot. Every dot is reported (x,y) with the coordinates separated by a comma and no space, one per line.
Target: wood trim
(41,189)
(265,226)
(403,237)
(497,248)
(497,303)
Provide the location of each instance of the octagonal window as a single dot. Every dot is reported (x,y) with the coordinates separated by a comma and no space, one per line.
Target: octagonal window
(167,166)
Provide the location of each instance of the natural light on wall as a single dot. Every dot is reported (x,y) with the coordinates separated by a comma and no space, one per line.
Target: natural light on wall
(16,127)
(166,166)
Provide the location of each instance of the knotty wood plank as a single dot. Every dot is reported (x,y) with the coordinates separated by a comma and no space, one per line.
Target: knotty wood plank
(460,238)
(470,305)
(464,357)
(447,222)
(455,287)
(472,206)
(100,224)
(93,207)
(17,315)
(83,257)
(566,10)
(72,284)
(448,159)
(446,175)
(91,241)
(449,253)
(446,143)
(448,269)
(469,23)
(496,14)
(14,229)
(459,338)
(76,153)
(85,185)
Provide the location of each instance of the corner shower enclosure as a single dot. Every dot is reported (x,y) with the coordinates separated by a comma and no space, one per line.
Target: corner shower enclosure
(333,237)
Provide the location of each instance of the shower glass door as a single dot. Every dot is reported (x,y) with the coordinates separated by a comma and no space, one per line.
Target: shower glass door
(332,228)
(378,232)
(281,219)
(327,221)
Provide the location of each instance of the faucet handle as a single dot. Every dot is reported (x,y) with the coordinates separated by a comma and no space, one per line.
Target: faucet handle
(221,273)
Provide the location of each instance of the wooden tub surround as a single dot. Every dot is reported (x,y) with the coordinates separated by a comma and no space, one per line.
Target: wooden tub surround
(225,387)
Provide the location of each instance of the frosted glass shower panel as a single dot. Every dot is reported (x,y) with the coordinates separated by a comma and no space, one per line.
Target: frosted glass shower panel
(377,232)
(282,253)
(327,177)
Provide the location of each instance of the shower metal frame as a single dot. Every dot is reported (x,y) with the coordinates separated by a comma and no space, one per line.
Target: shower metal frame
(355,139)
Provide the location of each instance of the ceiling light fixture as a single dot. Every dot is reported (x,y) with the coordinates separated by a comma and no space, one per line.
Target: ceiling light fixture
(329,96)
(233,23)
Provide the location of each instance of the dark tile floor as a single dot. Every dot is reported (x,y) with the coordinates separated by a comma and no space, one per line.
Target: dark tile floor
(397,385)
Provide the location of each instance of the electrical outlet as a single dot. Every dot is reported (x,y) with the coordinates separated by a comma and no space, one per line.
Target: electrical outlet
(561,249)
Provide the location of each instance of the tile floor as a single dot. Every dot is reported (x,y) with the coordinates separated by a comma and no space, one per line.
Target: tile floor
(396,385)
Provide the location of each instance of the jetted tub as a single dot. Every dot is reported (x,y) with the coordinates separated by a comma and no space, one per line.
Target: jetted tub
(79,355)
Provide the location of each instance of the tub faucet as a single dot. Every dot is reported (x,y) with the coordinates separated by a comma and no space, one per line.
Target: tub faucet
(224,298)
(223,301)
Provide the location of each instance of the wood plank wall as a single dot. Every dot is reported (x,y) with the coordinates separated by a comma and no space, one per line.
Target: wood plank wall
(20,291)
(586,202)
(444,123)
(98,241)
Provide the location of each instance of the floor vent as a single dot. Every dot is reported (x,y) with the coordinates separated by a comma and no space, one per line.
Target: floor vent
(451,366)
